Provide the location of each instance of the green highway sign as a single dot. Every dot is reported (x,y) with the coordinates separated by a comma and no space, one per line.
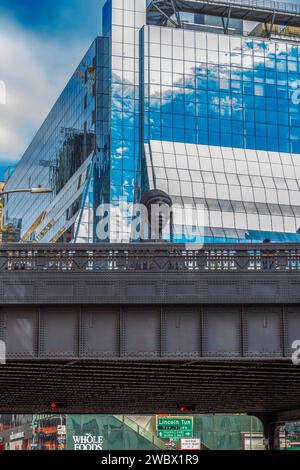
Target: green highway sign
(174,428)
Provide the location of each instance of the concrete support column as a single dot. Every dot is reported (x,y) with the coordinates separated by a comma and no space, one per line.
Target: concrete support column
(270,430)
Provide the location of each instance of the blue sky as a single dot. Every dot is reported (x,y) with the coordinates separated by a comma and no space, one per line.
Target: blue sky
(41,43)
(63,18)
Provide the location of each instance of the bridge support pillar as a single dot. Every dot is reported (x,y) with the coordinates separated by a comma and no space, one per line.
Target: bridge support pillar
(273,438)
(270,430)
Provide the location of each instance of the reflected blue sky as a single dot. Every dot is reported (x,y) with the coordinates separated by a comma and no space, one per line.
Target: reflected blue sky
(248,104)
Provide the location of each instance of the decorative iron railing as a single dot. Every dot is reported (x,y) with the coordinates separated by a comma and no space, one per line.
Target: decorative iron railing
(150,257)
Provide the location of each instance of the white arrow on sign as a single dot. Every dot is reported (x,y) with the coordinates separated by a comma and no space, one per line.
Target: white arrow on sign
(170,444)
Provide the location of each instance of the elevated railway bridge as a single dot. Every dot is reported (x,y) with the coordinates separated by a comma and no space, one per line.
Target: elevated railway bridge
(142,328)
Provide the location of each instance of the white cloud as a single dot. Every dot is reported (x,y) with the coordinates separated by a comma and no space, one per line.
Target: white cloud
(2,92)
(34,71)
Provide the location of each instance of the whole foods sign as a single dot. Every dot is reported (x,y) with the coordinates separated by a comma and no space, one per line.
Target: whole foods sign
(88,442)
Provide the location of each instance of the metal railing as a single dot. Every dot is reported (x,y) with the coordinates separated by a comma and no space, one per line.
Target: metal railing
(272,5)
(262,4)
(147,257)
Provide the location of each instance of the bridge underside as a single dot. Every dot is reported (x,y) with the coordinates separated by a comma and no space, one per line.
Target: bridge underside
(150,358)
(143,328)
(125,387)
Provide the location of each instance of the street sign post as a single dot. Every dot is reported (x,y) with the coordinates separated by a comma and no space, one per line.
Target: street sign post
(173,427)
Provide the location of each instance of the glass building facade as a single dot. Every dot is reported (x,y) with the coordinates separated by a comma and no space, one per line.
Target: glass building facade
(221,90)
(212,119)
(59,157)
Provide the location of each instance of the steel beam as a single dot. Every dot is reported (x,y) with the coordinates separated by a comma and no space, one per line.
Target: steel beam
(263,12)
(150,332)
(288,415)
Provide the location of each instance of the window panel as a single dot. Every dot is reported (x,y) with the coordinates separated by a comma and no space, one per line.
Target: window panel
(253,222)
(265,223)
(290,225)
(240,221)
(277,223)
